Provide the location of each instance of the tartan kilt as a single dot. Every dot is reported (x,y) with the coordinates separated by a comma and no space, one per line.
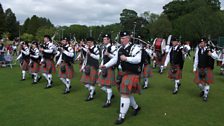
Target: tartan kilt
(49,68)
(162,60)
(109,80)
(69,71)
(177,75)
(25,65)
(208,79)
(147,71)
(91,78)
(35,68)
(130,84)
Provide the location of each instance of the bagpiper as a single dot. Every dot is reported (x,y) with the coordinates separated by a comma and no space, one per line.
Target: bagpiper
(107,75)
(24,58)
(90,67)
(176,58)
(203,66)
(35,62)
(129,58)
(47,63)
(66,60)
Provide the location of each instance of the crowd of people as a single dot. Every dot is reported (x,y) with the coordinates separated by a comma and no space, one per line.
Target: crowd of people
(98,64)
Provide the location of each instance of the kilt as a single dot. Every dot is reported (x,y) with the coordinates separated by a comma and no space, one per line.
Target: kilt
(147,71)
(109,80)
(49,68)
(35,68)
(25,65)
(208,79)
(68,71)
(130,84)
(160,60)
(175,75)
(91,78)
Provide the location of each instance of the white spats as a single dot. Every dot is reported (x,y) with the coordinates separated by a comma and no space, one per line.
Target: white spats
(206,90)
(109,94)
(124,106)
(133,102)
(92,90)
(23,74)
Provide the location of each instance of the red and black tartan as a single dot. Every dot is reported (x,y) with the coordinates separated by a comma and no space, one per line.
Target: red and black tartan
(69,71)
(147,71)
(35,68)
(91,78)
(25,64)
(208,79)
(130,84)
(109,80)
(50,67)
(177,75)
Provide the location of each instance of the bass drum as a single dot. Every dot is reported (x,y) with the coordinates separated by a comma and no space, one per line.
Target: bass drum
(158,44)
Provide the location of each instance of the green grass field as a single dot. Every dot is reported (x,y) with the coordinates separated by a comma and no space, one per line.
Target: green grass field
(24,104)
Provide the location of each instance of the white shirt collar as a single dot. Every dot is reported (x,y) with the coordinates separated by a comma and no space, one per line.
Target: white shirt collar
(127,45)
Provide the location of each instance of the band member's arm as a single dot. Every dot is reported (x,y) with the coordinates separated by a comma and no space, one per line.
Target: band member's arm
(96,55)
(59,60)
(70,52)
(26,51)
(20,55)
(149,52)
(163,46)
(196,60)
(113,50)
(36,54)
(167,58)
(112,61)
(136,56)
(51,48)
(214,55)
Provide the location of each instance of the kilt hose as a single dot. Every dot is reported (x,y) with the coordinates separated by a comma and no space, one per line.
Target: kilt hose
(147,71)
(91,78)
(35,67)
(208,76)
(25,64)
(130,84)
(66,70)
(109,80)
(48,67)
(175,72)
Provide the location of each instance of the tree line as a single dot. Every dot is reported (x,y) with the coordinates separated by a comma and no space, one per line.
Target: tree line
(188,19)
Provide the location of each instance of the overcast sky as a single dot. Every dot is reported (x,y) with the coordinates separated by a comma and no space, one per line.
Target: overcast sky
(86,12)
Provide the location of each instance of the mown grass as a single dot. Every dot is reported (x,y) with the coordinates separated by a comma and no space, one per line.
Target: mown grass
(22,103)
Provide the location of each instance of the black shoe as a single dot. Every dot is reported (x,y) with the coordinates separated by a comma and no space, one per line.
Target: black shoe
(145,87)
(89,98)
(22,79)
(201,94)
(205,99)
(66,91)
(34,83)
(136,111)
(106,105)
(119,121)
(175,91)
(39,78)
(47,87)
